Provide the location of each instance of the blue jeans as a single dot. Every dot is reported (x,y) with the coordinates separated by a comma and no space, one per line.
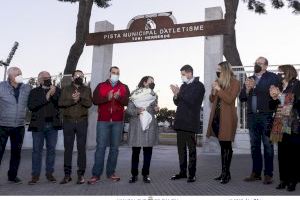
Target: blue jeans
(108,134)
(259,127)
(50,135)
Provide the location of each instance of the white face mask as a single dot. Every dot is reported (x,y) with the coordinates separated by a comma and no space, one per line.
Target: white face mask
(114,78)
(184,79)
(19,79)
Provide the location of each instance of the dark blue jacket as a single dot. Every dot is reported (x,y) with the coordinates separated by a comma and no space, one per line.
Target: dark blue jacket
(262,92)
(188,102)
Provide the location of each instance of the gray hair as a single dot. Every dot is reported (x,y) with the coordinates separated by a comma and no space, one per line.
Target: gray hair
(40,76)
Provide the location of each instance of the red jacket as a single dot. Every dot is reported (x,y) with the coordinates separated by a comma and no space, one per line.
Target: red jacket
(110,110)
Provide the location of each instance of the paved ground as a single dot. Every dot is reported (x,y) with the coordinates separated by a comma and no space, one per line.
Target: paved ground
(164,164)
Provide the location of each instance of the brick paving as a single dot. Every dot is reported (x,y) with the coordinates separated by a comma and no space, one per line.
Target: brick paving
(164,164)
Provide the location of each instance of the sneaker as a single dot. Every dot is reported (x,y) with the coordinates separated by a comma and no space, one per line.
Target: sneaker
(252,177)
(268,180)
(80,180)
(15,181)
(66,180)
(114,178)
(94,180)
(51,178)
(34,180)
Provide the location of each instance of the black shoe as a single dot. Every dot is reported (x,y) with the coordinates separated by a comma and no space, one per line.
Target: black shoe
(66,179)
(80,180)
(282,185)
(191,179)
(51,178)
(146,179)
(15,181)
(225,179)
(133,179)
(178,176)
(291,187)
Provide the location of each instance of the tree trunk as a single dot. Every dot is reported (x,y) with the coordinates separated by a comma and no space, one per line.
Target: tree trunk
(82,29)
(231,52)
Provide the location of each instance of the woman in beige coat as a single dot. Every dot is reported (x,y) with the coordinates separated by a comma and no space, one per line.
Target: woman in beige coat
(223,117)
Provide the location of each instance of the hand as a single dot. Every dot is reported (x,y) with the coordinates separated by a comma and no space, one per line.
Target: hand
(156,108)
(51,92)
(76,96)
(274,92)
(117,94)
(140,110)
(175,89)
(110,95)
(249,83)
(216,86)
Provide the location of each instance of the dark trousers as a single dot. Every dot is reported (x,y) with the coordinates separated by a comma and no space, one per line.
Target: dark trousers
(259,129)
(135,160)
(184,140)
(71,130)
(226,156)
(288,158)
(16,140)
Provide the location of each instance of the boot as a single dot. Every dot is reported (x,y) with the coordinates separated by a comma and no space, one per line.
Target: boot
(222,163)
(227,161)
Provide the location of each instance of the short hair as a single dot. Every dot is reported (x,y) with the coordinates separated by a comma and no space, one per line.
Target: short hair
(187,68)
(77,70)
(13,69)
(144,79)
(265,59)
(289,71)
(113,67)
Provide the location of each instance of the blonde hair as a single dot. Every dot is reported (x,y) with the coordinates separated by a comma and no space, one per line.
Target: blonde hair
(226,74)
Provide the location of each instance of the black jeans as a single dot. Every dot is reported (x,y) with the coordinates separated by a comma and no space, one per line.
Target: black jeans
(16,140)
(288,160)
(72,129)
(135,160)
(187,139)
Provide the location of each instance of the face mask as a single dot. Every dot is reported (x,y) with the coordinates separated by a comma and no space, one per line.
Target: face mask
(218,74)
(257,68)
(19,79)
(151,86)
(47,83)
(184,79)
(114,78)
(281,76)
(78,81)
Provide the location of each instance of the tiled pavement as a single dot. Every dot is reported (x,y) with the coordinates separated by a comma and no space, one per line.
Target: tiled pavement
(164,164)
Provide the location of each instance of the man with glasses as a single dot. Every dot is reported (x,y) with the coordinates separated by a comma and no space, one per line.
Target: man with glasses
(13,103)
(44,124)
(75,100)
(111,96)
(256,93)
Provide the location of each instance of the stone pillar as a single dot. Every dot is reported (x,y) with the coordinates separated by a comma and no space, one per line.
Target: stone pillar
(102,61)
(213,54)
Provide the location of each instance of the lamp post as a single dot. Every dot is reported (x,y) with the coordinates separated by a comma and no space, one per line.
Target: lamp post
(9,58)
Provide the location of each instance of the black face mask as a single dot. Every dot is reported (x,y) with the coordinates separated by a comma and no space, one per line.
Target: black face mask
(218,74)
(78,81)
(151,86)
(47,82)
(280,76)
(257,68)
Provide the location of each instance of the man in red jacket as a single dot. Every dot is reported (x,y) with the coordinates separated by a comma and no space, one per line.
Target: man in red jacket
(111,96)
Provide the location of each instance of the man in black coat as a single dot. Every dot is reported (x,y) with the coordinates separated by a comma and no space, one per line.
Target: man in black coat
(188,99)
(45,123)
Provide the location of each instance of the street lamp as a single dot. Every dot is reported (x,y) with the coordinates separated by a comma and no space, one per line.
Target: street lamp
(10,56)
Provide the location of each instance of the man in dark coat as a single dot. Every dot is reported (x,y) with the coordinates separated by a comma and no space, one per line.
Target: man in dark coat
(188,99)
(45,123)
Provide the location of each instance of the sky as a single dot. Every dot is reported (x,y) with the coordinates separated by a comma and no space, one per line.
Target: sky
(45,30)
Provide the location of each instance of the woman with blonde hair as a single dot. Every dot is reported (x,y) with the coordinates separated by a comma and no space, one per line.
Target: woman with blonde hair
(223,117)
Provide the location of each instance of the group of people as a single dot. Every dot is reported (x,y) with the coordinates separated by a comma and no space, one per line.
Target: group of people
(273,106)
